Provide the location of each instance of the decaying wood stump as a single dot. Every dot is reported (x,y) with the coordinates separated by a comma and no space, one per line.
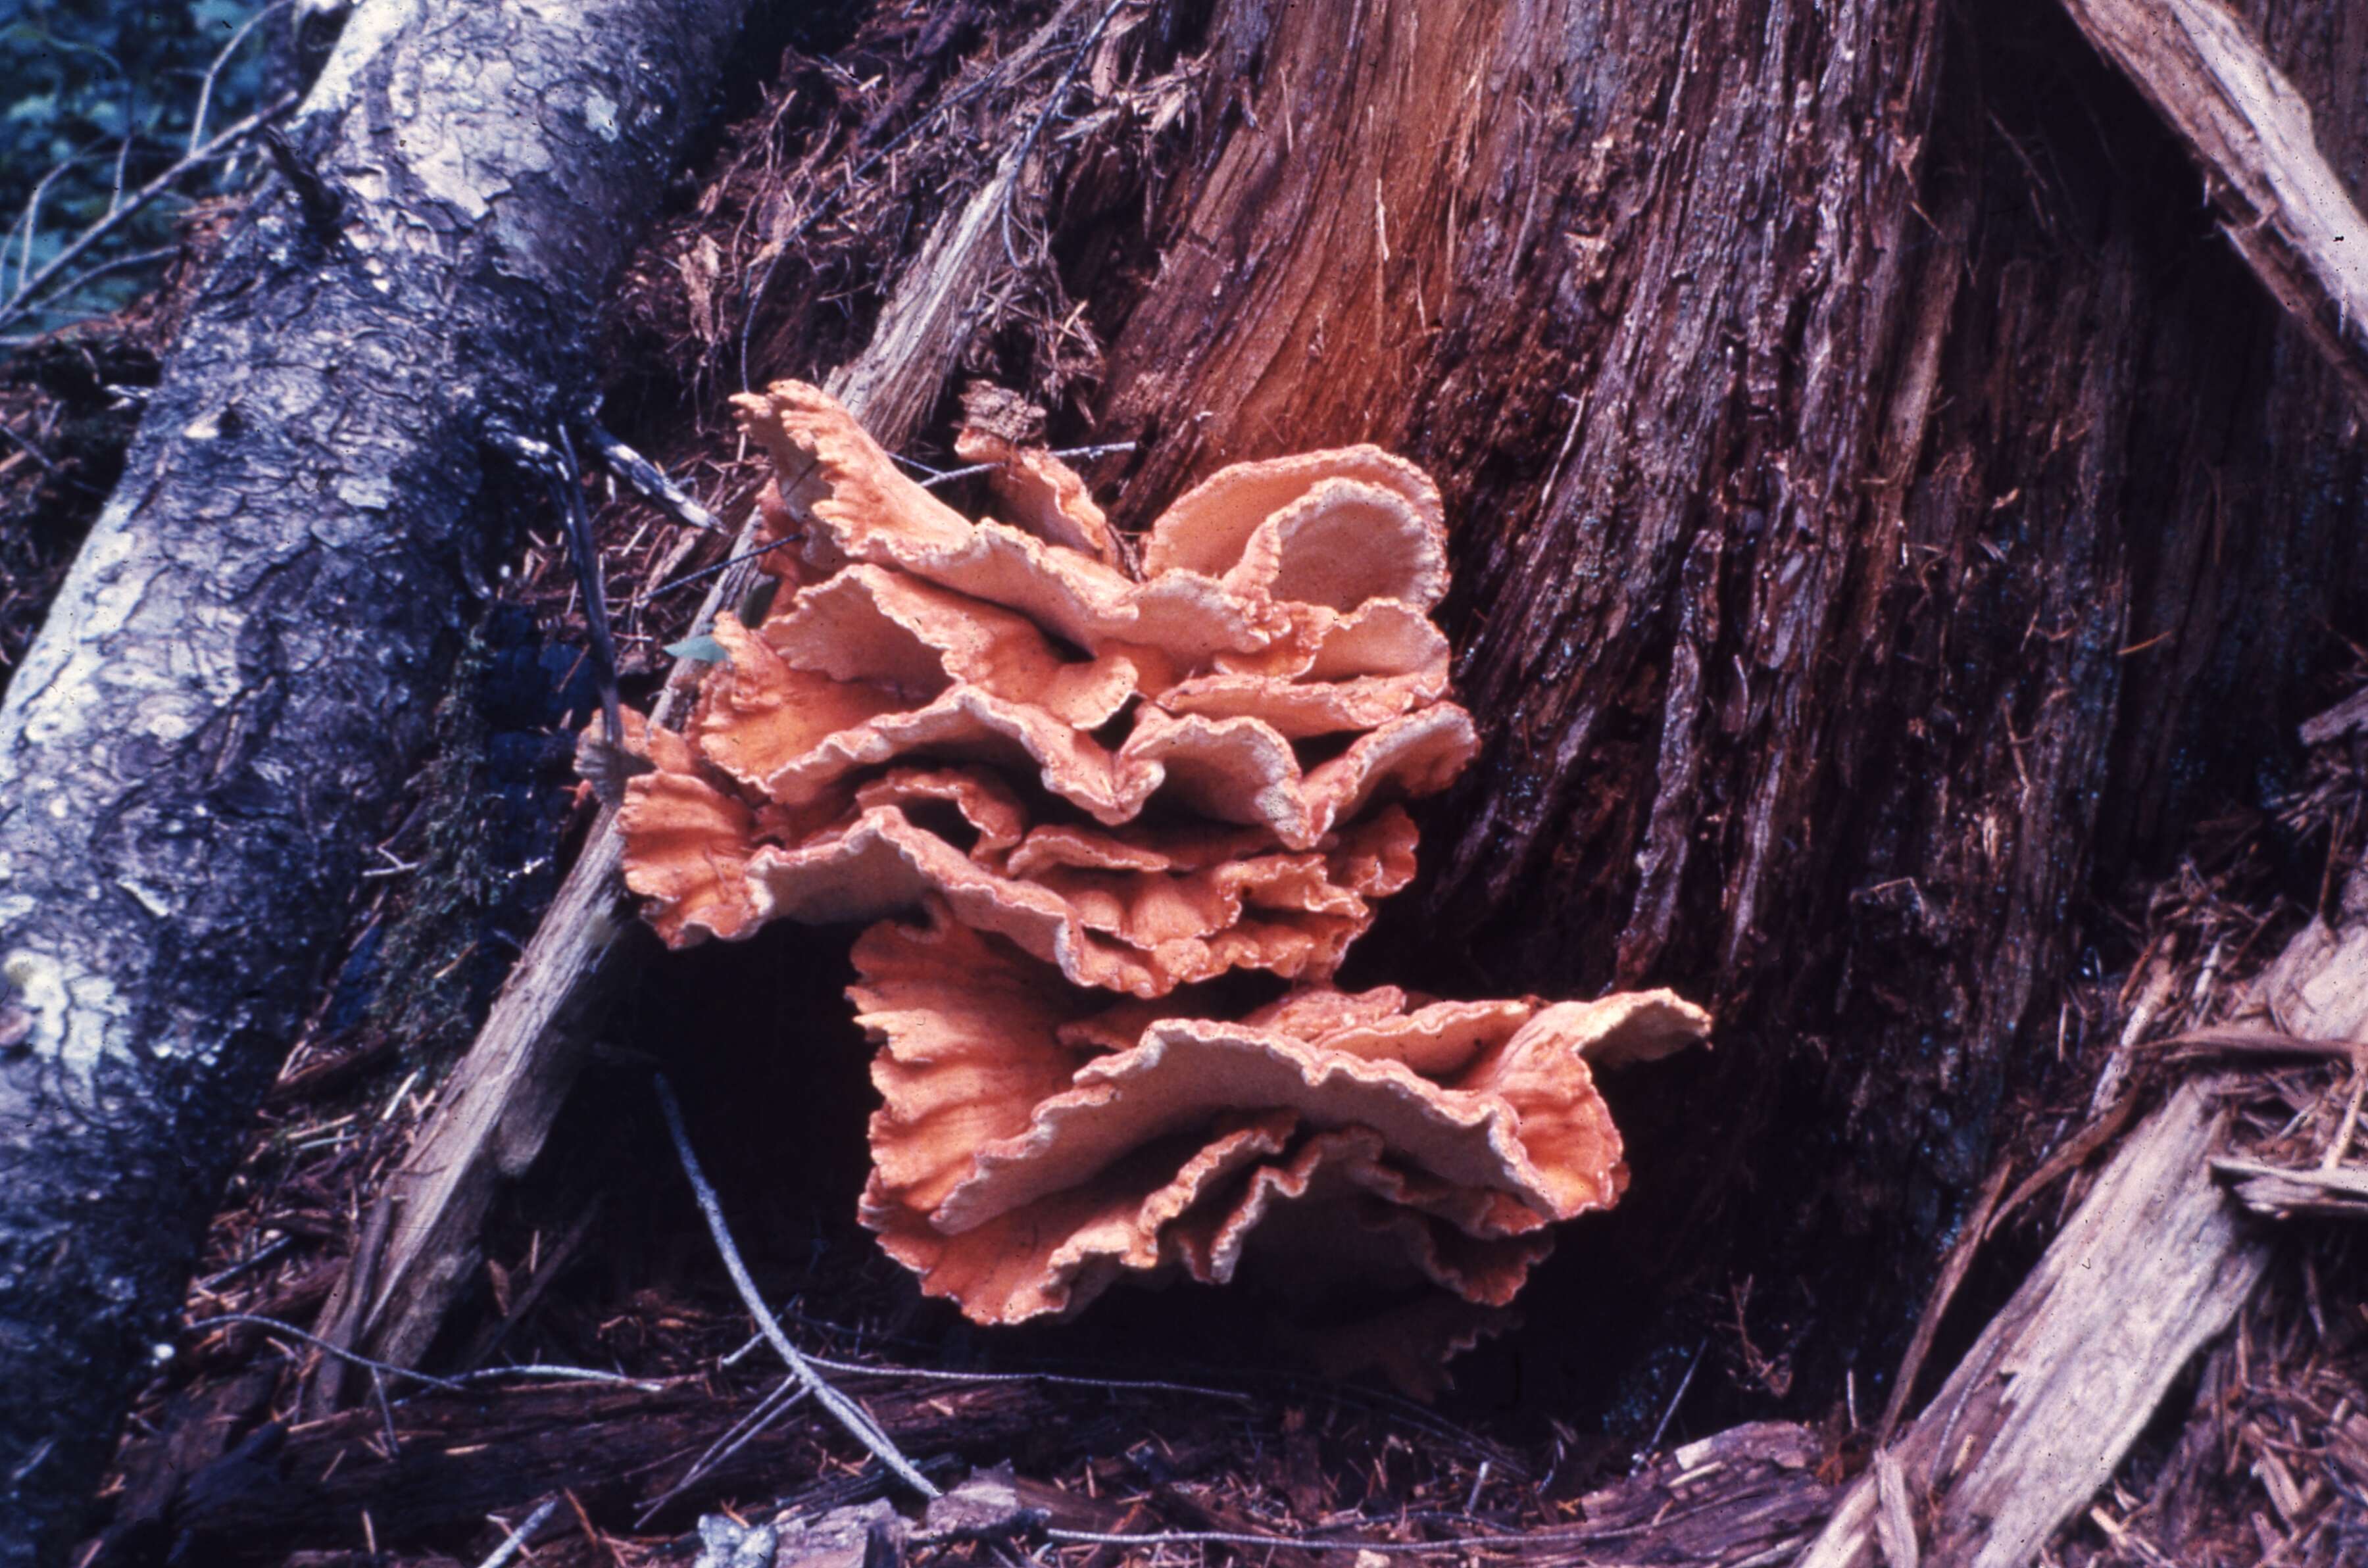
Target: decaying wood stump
(1884,511)
(236,679)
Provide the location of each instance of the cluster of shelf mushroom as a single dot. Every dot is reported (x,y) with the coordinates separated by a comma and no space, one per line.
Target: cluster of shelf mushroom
(1082,795)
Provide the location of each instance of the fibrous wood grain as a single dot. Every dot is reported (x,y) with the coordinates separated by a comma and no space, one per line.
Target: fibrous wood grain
(2283,206)
(236,679)
(2034,1419)
(2154,1264)
(1863,468)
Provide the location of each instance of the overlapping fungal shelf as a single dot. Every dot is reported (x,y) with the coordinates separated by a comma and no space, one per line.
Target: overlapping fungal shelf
(1074,788)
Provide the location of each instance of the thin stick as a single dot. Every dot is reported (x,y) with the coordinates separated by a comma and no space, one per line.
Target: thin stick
(784,1398)
(1653,1443)
(947,476)
(30,289)
(449,1385)
(28,221)
(385,1412)
(725,564)
(356,1357)
(1100,1385)
(1036,127)
(1291,1543)
(508,1548)
(586,548)
(556,1374)
(1928,1325)
(260,1256)
(206,87)
(29,449)
(848,1413)
(85,279)
(2340,1145)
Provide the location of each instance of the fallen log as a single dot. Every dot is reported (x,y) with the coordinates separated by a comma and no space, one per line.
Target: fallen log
(2154,1265)
(237,679)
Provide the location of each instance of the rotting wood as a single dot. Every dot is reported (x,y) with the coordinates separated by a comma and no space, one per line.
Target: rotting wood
(237,678)
(2035,1418)
(461,1457)
(1737,1496)
(1746,455)
(2151,1267)
(2282,1192)
(2283,205)
(1780,480)
(500,1098)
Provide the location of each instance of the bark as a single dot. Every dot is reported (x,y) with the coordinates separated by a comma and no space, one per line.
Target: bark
(237,676)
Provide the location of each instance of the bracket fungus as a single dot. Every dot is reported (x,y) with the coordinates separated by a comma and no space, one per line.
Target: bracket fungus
(1101,785)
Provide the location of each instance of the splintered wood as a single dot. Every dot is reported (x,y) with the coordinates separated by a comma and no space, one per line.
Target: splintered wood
(2153,1266)
(1105,787)
(2283,205)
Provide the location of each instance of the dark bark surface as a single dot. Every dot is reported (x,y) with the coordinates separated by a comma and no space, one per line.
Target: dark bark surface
(238,674)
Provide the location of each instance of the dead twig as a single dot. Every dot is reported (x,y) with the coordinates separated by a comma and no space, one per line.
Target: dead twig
(1952,1274)
(650,481)
(2232,1041)
(1298,1544)
(948,475)
(568,495)
(213,71)
(518,1538)
(30,290)
(848,1413)
(2077,1149)
(449,1385)
(1052,102)
(785,1397)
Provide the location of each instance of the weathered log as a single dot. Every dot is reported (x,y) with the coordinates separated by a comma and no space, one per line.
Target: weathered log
(2282,205)
(2154,1264)
(237,677)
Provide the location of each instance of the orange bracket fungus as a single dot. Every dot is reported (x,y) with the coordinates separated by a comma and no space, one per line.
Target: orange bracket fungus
(1073,788)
